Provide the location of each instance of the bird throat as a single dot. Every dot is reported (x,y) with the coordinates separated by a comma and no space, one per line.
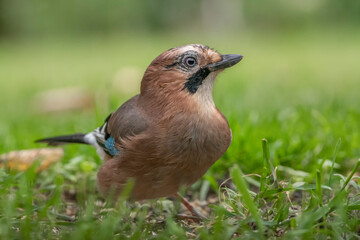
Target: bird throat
(194,81)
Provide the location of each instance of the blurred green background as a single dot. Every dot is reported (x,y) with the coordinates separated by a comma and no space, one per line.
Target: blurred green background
(65,65)
(36,18)
(298,84)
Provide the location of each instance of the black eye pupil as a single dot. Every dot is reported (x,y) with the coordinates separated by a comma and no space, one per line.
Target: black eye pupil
(190,61)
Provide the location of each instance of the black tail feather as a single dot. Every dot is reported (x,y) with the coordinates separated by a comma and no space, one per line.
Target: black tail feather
(54,141)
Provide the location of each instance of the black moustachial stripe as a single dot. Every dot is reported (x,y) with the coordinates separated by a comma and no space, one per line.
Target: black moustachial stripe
(196,80)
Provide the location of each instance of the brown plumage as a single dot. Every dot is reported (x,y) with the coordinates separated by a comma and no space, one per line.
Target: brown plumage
(169,134)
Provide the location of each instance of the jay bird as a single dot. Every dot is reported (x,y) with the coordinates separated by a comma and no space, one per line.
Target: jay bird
(168,135)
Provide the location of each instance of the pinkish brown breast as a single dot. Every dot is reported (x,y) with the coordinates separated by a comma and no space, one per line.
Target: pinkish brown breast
(177,151)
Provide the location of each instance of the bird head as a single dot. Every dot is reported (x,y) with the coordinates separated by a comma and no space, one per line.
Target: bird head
(188,71)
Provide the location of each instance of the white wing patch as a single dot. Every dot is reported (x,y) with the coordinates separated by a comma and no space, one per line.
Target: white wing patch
(102,141)
(90,138)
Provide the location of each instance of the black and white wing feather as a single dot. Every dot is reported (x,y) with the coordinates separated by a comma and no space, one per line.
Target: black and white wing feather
(102,141)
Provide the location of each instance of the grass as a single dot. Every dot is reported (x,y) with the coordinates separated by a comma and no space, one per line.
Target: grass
(298,91)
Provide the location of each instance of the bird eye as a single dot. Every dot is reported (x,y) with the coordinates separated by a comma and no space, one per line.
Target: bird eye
(190,62)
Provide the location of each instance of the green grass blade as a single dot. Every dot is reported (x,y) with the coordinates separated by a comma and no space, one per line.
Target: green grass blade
(318,187)
(266,154)
(241,185)
(351,175)
(338,144)
(266,162)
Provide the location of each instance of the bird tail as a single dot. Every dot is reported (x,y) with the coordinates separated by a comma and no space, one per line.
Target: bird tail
(74,138)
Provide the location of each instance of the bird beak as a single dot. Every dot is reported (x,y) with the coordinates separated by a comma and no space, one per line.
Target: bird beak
(227,60)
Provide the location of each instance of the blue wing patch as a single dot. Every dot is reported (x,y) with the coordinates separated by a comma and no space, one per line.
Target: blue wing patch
(104,140)
(110,146)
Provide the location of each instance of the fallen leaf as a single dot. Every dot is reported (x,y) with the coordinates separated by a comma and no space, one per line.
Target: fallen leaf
(63,99)
(23,159)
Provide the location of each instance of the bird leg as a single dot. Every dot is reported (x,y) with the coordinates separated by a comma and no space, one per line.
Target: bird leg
(195,212)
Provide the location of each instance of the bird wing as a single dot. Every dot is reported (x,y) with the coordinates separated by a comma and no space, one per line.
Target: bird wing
(128,120)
